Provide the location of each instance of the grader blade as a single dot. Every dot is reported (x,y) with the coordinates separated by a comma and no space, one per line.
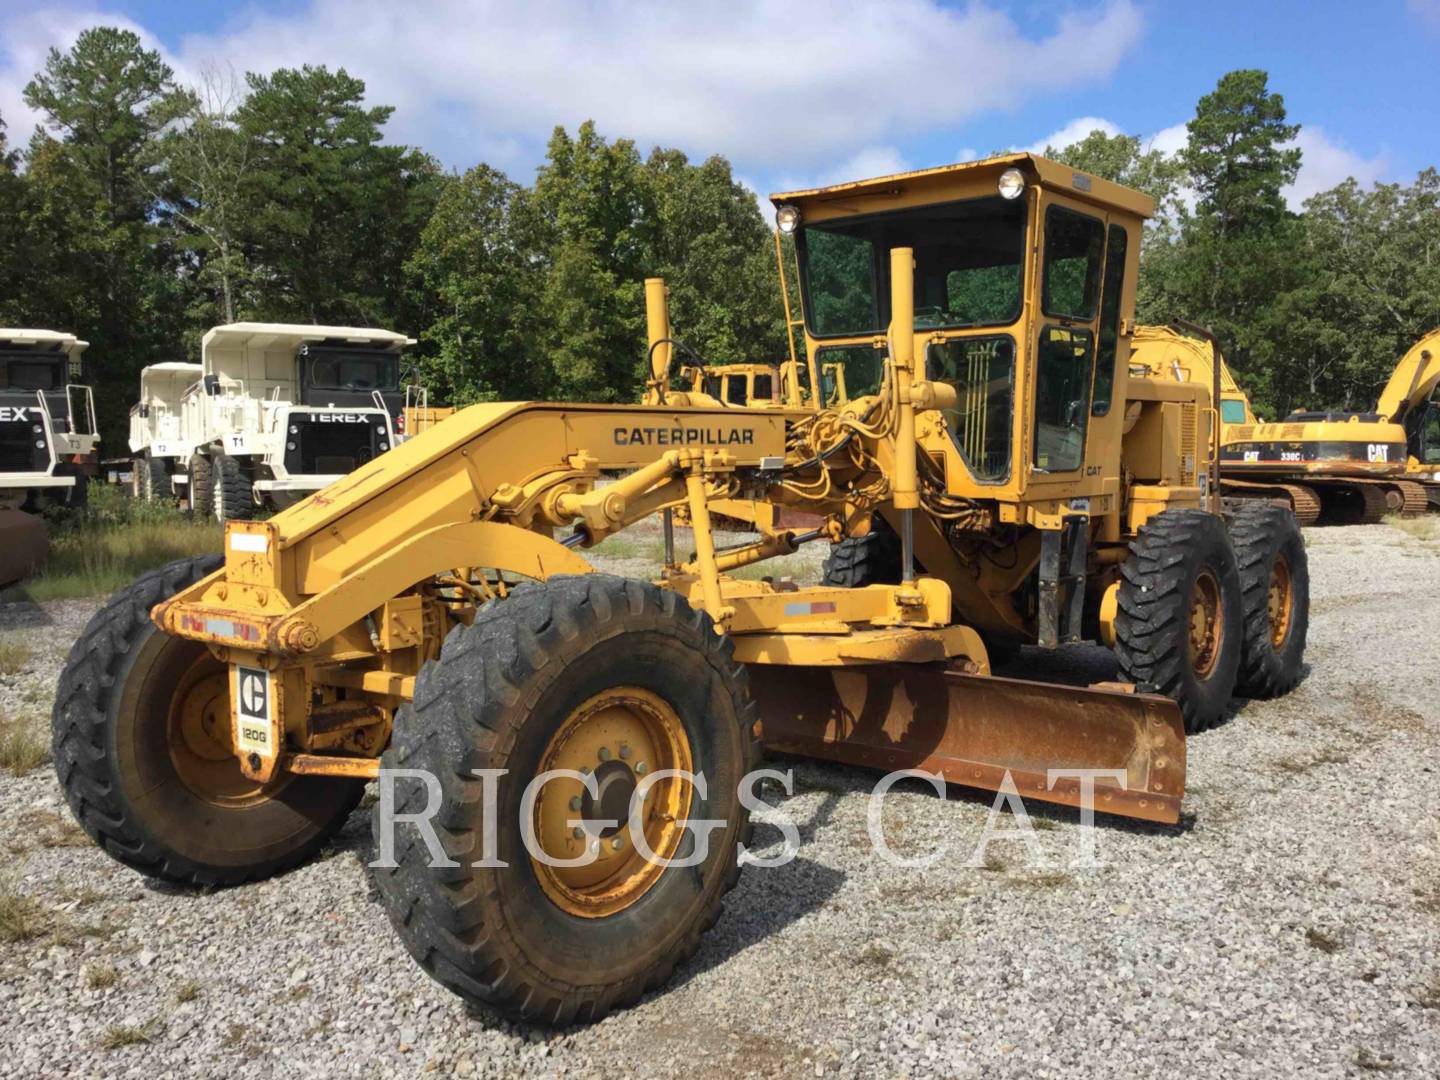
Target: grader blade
(973,729)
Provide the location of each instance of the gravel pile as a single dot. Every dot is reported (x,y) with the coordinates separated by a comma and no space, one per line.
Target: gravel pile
(1288,926)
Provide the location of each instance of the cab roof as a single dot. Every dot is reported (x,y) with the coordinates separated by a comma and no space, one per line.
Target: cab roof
(293,335)
(930,185)
(56,340)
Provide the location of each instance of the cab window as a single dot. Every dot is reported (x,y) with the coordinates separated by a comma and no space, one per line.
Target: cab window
(863,366)
(735,389)
(32,375)
(1232,412)
(982,371)
(1074,246)
(764,388)
(1062,390)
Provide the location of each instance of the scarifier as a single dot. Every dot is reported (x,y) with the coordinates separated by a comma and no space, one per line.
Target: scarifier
(1004,479)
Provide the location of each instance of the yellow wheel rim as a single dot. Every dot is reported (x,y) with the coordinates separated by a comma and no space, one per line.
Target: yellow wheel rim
(619,737)
(1207,629)
(1281,601)
(198,733)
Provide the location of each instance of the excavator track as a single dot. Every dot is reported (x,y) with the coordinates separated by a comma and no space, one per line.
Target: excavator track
(1416,499)
(1302,500)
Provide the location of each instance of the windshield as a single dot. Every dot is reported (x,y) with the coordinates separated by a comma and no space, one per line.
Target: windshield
(968,267)
(352,371)
(27,373)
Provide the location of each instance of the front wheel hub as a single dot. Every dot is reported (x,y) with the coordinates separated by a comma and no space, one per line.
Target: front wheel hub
(615,738)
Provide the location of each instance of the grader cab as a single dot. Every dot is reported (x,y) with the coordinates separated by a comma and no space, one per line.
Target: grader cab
(577,745)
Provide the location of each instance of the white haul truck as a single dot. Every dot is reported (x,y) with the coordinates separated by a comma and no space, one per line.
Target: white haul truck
(47,419)
(161,450)
(282,410)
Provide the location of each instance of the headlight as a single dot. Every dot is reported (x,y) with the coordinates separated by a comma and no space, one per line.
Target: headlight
(384,446)
(289,446)
(787,218)
(379,431)
(39,444)
(36,428)
(1012,183)
(294,430)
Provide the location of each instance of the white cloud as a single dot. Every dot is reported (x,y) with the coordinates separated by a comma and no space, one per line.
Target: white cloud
(1325,163)
(1170,140)
(743,78)
(1073,132)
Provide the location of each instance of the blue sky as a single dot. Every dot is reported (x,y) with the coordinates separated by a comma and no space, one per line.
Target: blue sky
(802,91)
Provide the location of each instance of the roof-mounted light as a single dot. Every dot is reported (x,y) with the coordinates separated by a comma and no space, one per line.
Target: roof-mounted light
(1012,183)
(787,218)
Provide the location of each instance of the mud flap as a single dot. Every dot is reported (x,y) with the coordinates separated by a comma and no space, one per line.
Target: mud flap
(24,543)
(974,729)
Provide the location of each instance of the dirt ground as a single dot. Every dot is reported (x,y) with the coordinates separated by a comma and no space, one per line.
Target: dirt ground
(1287,926)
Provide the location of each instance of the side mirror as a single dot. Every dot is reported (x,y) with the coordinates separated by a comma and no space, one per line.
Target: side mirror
(212,384)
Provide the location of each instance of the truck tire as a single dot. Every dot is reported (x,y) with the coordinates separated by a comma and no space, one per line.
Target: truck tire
(1179,624)
(230,490)
(139,478)
(1275,583)
(202,486)
(627,678)
(157,483)
(857,561)
(135,709)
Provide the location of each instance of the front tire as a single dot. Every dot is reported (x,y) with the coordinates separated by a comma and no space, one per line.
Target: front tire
(555,675)
(857,561)
(1178,624)
(1275,583)
(140,736)
(202,486)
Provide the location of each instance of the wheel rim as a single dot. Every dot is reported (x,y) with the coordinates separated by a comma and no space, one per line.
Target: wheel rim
(620,736)
(198,734)
(1207,628)
(1281,601)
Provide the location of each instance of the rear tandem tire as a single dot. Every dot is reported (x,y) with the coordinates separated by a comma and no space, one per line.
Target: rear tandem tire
(133,710)
(202,482)
(231,498)
(1275,583)
(1179,626)
(513,692)
(857,561)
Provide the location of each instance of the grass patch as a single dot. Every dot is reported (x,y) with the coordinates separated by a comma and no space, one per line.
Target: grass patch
(1325,943)
(188,991)
(1048,879)
(24,743)
(112,543)
(118,1035)
(876,954)
(53,830)
(101,977)
(14,657)
(1373,1062)
(1421,528)
(21,917)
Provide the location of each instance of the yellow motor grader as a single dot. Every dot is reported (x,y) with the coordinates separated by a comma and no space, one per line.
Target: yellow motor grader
(578,743)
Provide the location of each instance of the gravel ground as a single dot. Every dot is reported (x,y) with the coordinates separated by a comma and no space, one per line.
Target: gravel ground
(1287,926)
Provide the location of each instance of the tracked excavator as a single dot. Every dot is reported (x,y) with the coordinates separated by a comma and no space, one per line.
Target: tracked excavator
(1328,467)
(587,738)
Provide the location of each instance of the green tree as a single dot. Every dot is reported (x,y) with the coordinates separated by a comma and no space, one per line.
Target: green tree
(718,259)
(476,267)
(595,217)
(100,265)
(13,214)
(331,212)
(1241,251)
(1375,288)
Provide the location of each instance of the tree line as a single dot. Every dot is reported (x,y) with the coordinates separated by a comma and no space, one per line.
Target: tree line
(141,212)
